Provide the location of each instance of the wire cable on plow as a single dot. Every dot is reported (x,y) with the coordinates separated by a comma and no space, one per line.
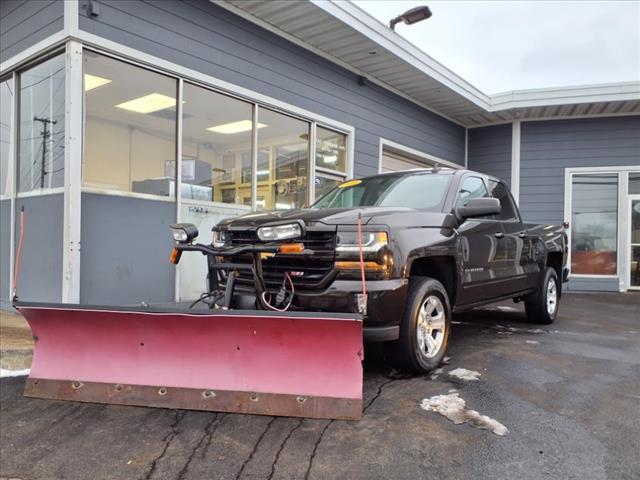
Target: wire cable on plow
(266,302)
(203,297)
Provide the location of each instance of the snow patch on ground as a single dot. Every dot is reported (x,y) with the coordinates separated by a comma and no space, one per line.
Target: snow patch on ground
(532,342)
(454,408)
(464,374)
(436,373)
(446,360)
(13,373)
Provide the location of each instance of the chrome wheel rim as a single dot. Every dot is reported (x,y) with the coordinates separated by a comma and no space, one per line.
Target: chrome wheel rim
(430,327)
(552,296)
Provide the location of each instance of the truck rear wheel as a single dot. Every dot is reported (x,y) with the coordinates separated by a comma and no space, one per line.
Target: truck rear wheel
(425,326)
(542,306)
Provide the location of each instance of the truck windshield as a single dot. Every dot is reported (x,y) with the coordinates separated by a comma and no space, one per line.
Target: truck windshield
(424,191)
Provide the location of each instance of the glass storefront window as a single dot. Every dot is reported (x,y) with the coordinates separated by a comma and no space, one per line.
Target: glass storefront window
(331,149)
(634,183)
(287,139)
(216,132)
(594,224)
(130,128)
(41,126)
(6,131)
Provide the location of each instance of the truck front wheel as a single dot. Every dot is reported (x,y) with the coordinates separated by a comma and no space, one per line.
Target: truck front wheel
(542,306)
(425,326)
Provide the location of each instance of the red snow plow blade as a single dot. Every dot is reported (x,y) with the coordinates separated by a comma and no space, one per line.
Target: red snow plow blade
(290,364)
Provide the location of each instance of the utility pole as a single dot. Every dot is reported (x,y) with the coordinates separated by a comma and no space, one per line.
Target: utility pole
(45,137)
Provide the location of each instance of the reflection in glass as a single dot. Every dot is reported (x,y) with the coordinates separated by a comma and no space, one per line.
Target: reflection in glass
(288,141)
(472,187)
(6,131)
(217,137)
(263,166)
(331,149)
(130,128)
(594,224)
(325,184)
(41,141)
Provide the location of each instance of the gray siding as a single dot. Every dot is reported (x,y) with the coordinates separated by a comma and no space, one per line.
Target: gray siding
(24,23)
(547,148)
(5,248)
(126,244)
(550,147)
(41,264)
(489,151)
(206,38)
(593,285)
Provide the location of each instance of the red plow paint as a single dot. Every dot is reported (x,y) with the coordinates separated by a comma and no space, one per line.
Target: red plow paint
(300,364)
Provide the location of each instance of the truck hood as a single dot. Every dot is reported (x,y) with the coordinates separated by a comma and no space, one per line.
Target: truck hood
(392,216)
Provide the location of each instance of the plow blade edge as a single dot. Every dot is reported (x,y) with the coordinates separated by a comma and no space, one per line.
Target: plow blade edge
(290,364)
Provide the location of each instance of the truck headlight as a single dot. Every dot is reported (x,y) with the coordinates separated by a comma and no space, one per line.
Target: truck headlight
(220,238)
(377,259)
(372,242)
(279,232)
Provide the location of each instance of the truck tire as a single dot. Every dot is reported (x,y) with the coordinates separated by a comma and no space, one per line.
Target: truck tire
(542,306)
(424,328)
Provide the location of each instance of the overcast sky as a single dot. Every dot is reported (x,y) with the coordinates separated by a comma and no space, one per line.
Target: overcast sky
(507,45)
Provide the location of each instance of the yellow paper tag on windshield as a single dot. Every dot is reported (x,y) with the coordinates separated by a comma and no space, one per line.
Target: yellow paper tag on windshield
(350,183)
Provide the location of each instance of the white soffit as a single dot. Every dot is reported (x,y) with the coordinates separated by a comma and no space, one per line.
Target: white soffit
(345,34)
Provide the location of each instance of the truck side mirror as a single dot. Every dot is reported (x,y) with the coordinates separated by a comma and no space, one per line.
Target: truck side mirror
(479,207)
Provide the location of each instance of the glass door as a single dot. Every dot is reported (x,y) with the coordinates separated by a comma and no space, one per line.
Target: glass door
(634,257)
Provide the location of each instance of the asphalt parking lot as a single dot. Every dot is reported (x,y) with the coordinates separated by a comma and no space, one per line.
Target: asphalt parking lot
(569,395)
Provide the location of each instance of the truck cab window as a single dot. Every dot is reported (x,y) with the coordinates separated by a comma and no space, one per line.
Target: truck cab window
(500,191)
(472,187)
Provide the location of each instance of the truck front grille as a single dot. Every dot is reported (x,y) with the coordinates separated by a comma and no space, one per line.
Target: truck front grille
(308,272)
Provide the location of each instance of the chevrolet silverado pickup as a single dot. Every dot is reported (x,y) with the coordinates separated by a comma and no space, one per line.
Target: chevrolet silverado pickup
(404,250)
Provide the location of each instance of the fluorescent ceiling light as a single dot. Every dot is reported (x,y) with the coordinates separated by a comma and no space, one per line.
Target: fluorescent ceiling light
(92,81)
(234,127)
(149,103)
(262,172)
(330,159)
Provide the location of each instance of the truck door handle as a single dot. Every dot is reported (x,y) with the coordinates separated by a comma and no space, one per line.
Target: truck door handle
(499,234)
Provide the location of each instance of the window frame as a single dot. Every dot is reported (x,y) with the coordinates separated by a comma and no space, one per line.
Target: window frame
(257,104)
(622,174)
(17,85)
(9,194)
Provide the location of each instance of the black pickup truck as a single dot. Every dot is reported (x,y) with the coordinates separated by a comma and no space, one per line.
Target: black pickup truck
(421,243)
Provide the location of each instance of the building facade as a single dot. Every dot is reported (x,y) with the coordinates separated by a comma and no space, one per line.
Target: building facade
(122,117)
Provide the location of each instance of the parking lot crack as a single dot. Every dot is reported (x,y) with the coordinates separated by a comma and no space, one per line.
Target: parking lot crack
(282,445)
(315,449)
(168,438)
(208,433)
(378,393)
(219,418)
(255,448)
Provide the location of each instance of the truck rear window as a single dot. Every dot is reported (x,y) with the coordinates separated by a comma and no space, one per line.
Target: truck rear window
(423,191)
